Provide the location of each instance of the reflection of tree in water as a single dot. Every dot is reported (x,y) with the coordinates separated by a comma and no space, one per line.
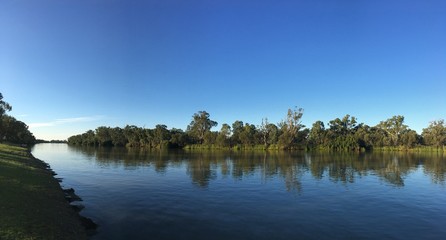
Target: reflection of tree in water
(435,167)
(394,167)
(339,167)
(392,172)
(205,166)
(292,179)
(199,168)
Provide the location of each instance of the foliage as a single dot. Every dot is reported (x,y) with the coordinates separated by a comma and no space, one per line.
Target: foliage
(342,134)
(394,128)
(11,129)
(435,134)
(200,125)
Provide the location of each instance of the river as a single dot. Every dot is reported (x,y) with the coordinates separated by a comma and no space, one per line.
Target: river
(140,194)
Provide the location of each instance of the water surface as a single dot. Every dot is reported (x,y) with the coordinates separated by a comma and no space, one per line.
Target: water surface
(138,194)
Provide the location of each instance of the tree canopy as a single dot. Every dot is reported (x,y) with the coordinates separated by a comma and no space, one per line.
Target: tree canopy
(200,125)
(339,134)
(11,129)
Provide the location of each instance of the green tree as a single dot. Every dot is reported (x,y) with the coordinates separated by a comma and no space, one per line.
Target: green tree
(410,138)
(210,138)
(394,128)
(237,128)
(117,136)
(16,131)
(290,127)
(317,134)
(103,136)
(4,106)
(344,126)
(224,135)
(267,132)
(88,138)
(247,136)
(178,138)
(274,133)
(200,125)
(133,135)
(161,136)
(363,136)
(435,133)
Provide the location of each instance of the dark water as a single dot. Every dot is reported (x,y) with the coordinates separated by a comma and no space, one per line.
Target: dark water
(135,194)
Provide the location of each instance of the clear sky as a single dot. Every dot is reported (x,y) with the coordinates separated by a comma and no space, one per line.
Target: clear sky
(67,66)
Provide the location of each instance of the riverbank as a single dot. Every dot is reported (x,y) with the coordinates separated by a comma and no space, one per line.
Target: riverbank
(32,203)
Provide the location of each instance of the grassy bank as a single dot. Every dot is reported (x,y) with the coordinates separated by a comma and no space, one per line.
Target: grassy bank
(32,203)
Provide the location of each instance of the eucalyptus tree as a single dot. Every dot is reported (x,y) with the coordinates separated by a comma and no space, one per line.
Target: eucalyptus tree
(290,127)
(267,132)
(341,134)
(224,135)
(15,131)
(435,133)
(344,126)
(178,138)
(103,136)
(88,138)
(317,133)
(161,135)
(273,133)
(394,128)
(410,138)
(237,128)
(210,138)
(133,135)
(4,106)
(117,136)
(200,125)
(248,134)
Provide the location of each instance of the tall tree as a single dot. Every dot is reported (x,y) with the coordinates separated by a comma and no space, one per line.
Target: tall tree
(223,135)
(117,136)
(344,126)
(435,133)
(290,127)
(178,138)
(264,131)
(247,136)
(237,128)
(4,106)
(103,136)
(161,135)
(15,131)
(317,133)
(133,135)
(394,127)
(200,124)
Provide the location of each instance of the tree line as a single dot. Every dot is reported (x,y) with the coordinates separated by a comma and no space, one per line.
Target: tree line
(340,134)
(11,129)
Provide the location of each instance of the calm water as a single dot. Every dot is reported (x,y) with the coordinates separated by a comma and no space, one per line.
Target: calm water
(135,194)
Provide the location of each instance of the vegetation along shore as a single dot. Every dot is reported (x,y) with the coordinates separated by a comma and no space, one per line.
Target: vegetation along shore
(32,203)
(340,134)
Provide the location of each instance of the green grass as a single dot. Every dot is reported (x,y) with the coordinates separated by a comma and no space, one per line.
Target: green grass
(32,204)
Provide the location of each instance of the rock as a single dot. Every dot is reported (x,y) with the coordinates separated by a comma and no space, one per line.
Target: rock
(77,207)
(71,196)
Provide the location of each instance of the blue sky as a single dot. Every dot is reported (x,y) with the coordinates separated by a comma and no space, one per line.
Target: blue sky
(68,66)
